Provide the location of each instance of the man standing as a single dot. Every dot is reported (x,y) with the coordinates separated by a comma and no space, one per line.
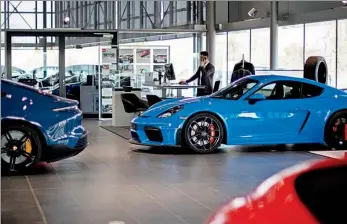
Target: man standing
(204,74)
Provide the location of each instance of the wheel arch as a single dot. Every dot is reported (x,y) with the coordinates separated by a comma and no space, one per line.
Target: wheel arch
(7,121)
(333,114)
(225,137)
(329,119)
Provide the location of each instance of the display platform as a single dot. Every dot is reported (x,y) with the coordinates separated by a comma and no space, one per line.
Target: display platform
(123,132)
(332,154)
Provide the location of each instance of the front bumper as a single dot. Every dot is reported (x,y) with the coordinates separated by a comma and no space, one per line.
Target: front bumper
(155,134)
(59,152)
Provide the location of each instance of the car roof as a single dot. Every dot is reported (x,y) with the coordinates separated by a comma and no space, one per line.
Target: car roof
(272,78)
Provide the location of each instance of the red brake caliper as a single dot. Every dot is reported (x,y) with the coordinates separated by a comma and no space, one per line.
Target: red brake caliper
(345,132)
(213,133)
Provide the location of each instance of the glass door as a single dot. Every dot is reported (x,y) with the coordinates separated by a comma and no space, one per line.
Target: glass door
(81,75)
(35,58)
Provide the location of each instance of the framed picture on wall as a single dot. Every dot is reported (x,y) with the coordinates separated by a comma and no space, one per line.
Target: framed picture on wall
(143,56)
(160,56)
(126,56)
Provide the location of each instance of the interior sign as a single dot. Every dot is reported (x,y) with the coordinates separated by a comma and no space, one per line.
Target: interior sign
(109,55)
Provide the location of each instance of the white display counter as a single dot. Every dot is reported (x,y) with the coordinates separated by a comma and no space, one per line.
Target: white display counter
(119,117)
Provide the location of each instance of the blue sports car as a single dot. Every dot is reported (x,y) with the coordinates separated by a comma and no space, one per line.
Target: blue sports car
(260,109)
(36,126)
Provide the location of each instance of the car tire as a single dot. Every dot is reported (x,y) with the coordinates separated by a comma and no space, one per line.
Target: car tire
(316,69)
(334,133)
(26,145)
(203,133)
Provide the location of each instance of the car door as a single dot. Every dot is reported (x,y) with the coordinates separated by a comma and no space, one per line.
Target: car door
(278,117)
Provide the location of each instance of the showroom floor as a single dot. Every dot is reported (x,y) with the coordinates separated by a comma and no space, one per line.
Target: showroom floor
(111,182)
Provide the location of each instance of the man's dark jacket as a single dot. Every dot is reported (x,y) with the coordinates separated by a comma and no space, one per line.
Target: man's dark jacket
(206,80)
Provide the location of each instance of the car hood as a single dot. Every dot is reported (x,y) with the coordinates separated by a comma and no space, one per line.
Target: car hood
(169,103)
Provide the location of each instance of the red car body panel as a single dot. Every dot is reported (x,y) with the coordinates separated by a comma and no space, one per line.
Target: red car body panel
(275,200)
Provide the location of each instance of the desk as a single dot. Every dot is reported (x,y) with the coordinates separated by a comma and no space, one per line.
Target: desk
(178,87)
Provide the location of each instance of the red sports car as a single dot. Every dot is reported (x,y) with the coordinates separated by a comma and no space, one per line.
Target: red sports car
(144,53)
(309,193)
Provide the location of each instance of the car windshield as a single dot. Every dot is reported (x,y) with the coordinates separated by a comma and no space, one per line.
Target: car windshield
(236,89)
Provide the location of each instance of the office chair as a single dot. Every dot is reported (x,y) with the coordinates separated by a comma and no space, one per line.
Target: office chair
(133,104)
(216,86)
(153,99)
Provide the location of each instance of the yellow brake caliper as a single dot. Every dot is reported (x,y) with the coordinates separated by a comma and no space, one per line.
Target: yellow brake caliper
(28,147)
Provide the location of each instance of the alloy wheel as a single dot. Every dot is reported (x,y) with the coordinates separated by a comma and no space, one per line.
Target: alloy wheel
(17,148)
(204,133)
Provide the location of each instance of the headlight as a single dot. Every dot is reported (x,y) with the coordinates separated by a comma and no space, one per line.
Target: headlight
(170,111)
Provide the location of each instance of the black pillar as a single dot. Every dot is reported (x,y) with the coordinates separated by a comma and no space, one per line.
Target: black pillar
(44,39)
(62,90)
(114,44)
(8,55)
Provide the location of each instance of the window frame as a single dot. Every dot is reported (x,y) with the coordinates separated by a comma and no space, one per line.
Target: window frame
(240,81)
(286,81)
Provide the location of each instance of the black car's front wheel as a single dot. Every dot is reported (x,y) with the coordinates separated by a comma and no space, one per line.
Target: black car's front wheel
(203,133)
(21,147)
(336,131)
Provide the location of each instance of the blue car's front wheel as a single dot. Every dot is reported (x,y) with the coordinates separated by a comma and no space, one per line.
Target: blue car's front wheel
(203,133)
(21,146)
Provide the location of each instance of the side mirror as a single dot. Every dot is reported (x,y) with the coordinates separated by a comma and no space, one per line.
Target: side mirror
(256,97)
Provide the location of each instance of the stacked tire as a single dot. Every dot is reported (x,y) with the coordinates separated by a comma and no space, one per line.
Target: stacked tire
(316,69)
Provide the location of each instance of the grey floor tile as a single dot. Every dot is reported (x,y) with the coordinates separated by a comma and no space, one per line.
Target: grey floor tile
(18,206)
(14,183)
(115,181)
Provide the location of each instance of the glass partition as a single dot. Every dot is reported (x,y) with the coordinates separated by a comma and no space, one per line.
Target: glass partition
(260,51)
(81,76)
(35,62)
(342,55)
(291,73)
(180,55)
(291,47)
(238,46)
(221,60)
(320,40)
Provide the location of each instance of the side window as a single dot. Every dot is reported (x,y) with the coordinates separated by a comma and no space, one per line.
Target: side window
(281,90)
(239,91)
(267,90)
(292,90)
(309,90)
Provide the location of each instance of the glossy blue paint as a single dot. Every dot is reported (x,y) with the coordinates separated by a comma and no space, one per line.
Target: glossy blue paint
(58,119)
(284,121)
